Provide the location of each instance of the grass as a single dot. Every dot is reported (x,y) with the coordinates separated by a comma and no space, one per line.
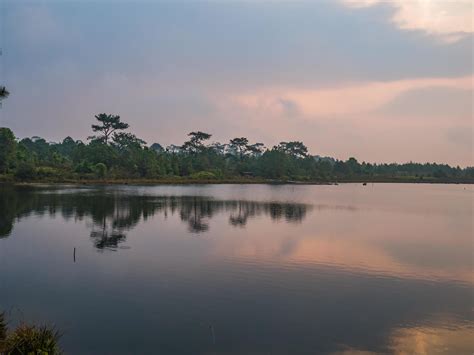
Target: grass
(28,339)
(178,180)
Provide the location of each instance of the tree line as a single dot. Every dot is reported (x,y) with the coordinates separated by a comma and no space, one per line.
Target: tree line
(112,152)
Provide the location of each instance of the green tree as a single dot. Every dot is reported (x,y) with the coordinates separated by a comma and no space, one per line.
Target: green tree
(108,125)
(353,166)
(196,143)
(96,152)
(125,140)
(218,148)
(274,164)
(157,147)
(239,145)
(67,146)
(295,149)
(7,149)
(256,149)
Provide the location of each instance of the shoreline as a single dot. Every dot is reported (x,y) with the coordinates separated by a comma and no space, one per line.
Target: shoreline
(244,181)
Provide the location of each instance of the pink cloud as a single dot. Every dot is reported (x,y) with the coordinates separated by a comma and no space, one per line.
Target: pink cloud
(450,20)
(340,101)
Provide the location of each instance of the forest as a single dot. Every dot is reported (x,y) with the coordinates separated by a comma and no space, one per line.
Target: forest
(113,153)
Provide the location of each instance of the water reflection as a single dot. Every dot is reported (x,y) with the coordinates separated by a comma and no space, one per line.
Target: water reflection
(113,213)
(366,271)
(432,340)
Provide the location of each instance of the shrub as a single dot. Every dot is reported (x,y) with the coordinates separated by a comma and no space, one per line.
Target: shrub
(28,339)
(218,173)
(83,168)
(25,171)
(100,170)
(47,172)
(3,328)
(203,175)
(302,178)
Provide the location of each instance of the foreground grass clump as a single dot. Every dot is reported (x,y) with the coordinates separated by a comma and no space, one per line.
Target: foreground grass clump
(28,339)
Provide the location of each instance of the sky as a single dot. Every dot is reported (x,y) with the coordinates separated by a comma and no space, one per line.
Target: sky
(382,81)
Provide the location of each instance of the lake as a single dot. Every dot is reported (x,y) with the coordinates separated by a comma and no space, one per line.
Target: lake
(242,269)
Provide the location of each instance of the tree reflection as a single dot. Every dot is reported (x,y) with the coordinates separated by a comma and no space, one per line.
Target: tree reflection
(112,213)
(104,239)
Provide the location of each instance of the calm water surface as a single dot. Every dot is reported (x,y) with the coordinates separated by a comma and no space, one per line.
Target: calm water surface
(242,269)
